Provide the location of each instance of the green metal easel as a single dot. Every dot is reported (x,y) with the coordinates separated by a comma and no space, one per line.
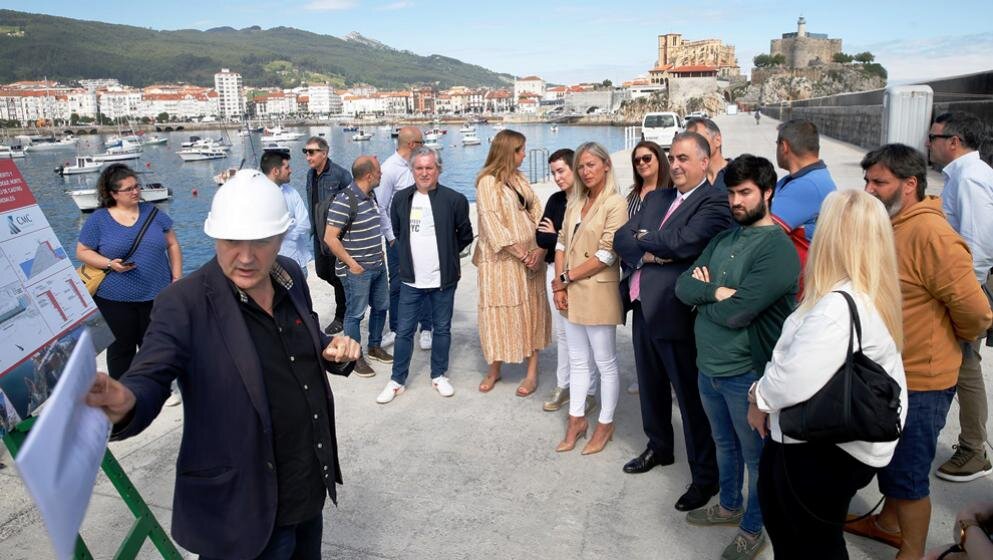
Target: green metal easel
(145,525)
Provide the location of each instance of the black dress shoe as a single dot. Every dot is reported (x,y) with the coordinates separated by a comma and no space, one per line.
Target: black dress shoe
(647,461)
(696,497)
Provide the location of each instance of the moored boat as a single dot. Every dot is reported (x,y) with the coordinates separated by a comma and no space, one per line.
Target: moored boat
(84,164)
(87,200)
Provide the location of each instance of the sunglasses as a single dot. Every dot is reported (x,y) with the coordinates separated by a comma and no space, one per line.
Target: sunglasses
(128,190)
(932,137)
(645,159)
(312,151)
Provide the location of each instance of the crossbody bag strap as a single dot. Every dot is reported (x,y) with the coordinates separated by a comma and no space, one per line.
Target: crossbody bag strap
(141,234)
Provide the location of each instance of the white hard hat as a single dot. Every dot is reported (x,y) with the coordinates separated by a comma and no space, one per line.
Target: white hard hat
(249,206)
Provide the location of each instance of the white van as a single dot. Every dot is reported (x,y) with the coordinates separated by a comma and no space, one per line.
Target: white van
(661,127)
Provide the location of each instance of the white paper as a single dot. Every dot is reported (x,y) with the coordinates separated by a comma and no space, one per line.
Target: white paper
(62,454)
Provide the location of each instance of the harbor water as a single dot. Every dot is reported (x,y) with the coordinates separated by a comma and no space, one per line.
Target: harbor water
(193,186)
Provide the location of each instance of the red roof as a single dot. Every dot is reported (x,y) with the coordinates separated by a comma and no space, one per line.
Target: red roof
(685,69)
(530,79)
(662,68)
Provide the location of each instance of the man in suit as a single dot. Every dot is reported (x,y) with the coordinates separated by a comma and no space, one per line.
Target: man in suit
(259,452)
(658,244)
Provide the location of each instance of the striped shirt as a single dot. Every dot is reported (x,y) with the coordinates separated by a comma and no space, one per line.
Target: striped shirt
(364,240)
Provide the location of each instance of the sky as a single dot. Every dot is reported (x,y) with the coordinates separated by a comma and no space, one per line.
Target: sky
(582,41)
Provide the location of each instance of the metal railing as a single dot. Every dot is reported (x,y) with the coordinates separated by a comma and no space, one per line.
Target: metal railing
(538,165)
(632,135)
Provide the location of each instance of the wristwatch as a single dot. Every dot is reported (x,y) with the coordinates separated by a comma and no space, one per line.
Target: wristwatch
(564,277)
(964,525)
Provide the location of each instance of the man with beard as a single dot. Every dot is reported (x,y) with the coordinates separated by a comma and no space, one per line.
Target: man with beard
(942,304)
(743,286)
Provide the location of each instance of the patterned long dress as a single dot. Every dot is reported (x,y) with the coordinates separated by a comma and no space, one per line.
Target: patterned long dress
(514,319)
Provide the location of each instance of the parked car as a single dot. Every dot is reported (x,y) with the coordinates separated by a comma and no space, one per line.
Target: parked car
(661,127)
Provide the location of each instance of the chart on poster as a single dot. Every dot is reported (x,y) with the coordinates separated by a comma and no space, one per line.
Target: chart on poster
(43,303)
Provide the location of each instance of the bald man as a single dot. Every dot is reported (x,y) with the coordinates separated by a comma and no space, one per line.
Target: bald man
(397,176)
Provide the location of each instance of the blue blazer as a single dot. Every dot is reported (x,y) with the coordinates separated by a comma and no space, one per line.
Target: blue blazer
(681,240)
(225,496)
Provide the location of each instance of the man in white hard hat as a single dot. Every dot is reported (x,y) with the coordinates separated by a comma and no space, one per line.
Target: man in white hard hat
(259,454)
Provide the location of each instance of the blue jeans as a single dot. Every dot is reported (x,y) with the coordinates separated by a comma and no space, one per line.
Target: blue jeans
(294,542)
(412,300)
(393,264)
(725,400)
(908,476)
(366,290)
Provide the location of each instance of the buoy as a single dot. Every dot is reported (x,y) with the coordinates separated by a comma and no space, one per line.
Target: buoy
(148,165)
(194,192)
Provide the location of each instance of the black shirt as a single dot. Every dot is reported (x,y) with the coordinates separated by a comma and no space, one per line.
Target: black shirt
(554,209)
(298,405)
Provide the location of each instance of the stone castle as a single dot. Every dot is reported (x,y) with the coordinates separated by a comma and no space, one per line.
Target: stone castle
(675,52)
(802,49)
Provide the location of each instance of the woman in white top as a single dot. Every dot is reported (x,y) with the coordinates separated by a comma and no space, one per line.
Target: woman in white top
(802,485)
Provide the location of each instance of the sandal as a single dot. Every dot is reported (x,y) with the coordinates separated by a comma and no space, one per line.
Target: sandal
(487,385)
(524,391)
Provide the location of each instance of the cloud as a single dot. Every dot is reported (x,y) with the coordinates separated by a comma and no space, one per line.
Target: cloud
(931,57)
(402,4)
(330,5)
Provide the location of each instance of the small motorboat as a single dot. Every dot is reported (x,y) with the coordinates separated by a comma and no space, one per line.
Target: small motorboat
(433,144)
(361,136)
(275,147)
(554,128)
(278,134)
(201,154)
(349,128)
(395,133)
(126,151)
(11,152)
(50,144)
(154,141)
(87,200)
(470,140)
(84,164)
(467,129)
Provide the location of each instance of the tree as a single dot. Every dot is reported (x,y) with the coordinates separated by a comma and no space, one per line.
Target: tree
(778,59)
(842,58)
(865,57)
(74,119)
(162,117)
(762,61)
(607,83)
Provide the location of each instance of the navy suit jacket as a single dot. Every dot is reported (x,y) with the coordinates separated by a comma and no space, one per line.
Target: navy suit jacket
(683,237)
(225,497)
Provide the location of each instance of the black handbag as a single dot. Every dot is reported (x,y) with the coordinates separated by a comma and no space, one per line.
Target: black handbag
(861,402)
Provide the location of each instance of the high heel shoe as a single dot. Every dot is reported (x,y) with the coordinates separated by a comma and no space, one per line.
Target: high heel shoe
(601,435)
(576,429)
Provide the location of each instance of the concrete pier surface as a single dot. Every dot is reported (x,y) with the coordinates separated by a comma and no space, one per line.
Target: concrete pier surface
(477,475)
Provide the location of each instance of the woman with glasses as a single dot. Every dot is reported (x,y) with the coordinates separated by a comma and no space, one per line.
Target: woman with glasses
(125,296)
(514,318)
(586,289)
(650,168)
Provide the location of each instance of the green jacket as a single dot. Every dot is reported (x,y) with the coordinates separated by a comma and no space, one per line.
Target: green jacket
(765,277)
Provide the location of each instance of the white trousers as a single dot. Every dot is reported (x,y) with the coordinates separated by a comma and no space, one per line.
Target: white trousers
(602,339)
(558,334)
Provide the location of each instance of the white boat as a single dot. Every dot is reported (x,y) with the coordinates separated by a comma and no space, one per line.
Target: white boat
(52,144)
(467,129)
(126,151)
(433,144)
(275,147)
(88,201)
(278,134)
(555,128)
(498,127)
(11,152)
(244,133)
(195,142)
(201,154)
(470,140)
(117,141)
(361,136)
(84,164)
(154,140)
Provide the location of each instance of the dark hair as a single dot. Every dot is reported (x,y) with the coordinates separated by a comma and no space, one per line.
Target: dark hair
(272,159)
(747,167)
(801,136)
(321,143)
(709,124)
(967,127)
(902,161)
(701,142)
(109,180)
(664,180)
(564,154)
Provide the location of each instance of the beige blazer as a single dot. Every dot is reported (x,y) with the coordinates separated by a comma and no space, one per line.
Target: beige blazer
(595,300)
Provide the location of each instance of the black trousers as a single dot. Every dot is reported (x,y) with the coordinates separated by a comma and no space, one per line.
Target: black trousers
(661,363)
(324,266)
(822,480)
(128,320)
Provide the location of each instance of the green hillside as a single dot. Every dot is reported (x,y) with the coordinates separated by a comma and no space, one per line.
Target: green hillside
(68,49)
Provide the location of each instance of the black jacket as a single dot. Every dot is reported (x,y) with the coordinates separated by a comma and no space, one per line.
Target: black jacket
(452,228)
(321,186)
(225,496)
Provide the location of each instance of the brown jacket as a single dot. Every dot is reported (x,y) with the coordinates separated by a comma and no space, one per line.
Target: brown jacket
(942,301)
(595,300)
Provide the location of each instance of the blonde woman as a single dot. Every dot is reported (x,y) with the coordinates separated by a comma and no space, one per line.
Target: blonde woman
(514,318)
(853,252)
(587,293)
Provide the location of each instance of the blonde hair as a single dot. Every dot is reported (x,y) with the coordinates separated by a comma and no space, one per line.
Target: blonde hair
(580,190)
(854,241)
(500,162)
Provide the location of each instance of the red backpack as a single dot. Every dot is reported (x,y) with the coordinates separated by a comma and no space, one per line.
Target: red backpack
(799,238)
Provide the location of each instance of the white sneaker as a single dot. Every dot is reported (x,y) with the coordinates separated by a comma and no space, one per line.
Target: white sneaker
(388,339)
(425,340)
(390,392)
(174,399)
(633,388)
(443,386)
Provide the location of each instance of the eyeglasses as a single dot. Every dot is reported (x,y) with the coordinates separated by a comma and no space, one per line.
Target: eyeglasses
(932,137)
(645,159)
(128,190)
(421,142)
(312,151)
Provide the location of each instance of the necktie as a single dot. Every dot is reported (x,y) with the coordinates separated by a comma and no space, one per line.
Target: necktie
(635,289)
